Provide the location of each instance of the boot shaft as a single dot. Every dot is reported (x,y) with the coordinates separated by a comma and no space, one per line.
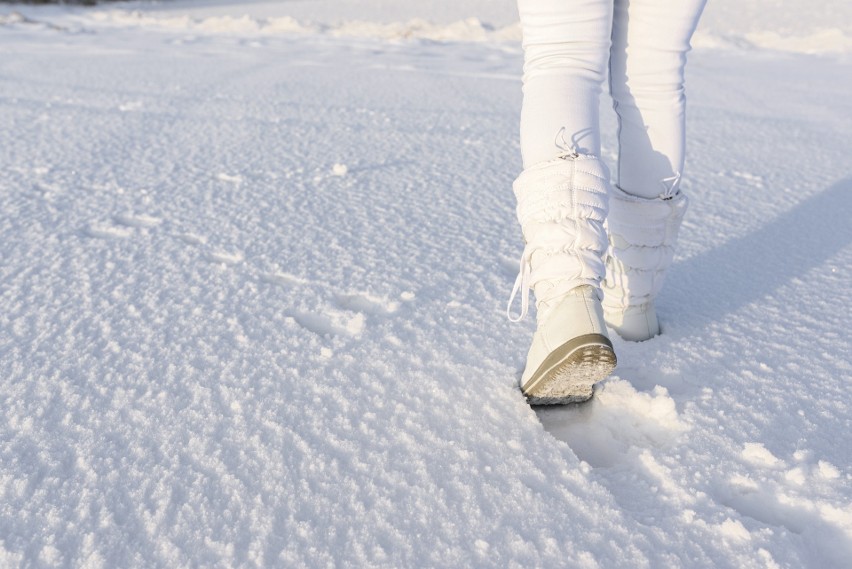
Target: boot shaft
(562,205)
(642,239)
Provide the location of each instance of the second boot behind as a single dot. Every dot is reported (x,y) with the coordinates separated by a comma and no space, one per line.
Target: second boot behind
(642,239)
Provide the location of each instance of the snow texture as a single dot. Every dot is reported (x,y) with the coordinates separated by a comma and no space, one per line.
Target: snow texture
(255,259)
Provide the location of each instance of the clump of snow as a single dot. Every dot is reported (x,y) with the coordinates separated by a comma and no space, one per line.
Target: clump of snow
(829,40)
(734,530)
(828,470)
(757,454)
(229,178)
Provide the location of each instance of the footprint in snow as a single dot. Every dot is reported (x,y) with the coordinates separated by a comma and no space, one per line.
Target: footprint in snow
(330,323)
(748,178)
(802,497)
(103,231)
(224,257)
(367,304)
(284,279)
(137,221)
(122,226)
(618,419)
(192,238)
(346,316)
(336,320)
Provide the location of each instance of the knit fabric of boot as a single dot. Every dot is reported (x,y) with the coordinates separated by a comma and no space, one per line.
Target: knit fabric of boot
(562,204)
(642,238)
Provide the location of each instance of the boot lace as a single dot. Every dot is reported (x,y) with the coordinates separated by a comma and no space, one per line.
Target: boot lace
(522,282)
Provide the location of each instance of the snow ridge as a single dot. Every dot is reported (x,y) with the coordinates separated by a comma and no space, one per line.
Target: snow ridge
(827,40)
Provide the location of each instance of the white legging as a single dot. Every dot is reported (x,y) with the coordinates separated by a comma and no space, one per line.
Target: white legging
(568,46)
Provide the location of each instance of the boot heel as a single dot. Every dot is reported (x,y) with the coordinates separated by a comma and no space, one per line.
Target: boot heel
(569,373)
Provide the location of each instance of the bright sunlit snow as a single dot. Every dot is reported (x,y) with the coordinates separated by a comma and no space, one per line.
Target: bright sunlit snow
(254,264)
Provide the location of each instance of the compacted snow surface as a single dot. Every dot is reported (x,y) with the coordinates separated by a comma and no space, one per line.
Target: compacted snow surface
(255,259)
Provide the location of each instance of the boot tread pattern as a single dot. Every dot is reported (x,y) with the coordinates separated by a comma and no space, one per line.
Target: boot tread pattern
(569,373)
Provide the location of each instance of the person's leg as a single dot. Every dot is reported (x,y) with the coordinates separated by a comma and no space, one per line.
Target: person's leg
(562,196)
(566,53)
(650,39)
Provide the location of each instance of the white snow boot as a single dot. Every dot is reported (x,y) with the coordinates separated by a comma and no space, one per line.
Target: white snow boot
(642,239)
(562,204)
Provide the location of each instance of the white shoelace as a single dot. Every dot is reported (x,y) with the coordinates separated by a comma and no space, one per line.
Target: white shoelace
(671,186)
(525,281)
(522,281)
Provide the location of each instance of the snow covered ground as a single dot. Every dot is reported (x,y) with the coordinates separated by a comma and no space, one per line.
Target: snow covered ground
(255,259)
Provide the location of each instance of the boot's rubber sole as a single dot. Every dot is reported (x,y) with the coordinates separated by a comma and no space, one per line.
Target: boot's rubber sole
(569,373)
